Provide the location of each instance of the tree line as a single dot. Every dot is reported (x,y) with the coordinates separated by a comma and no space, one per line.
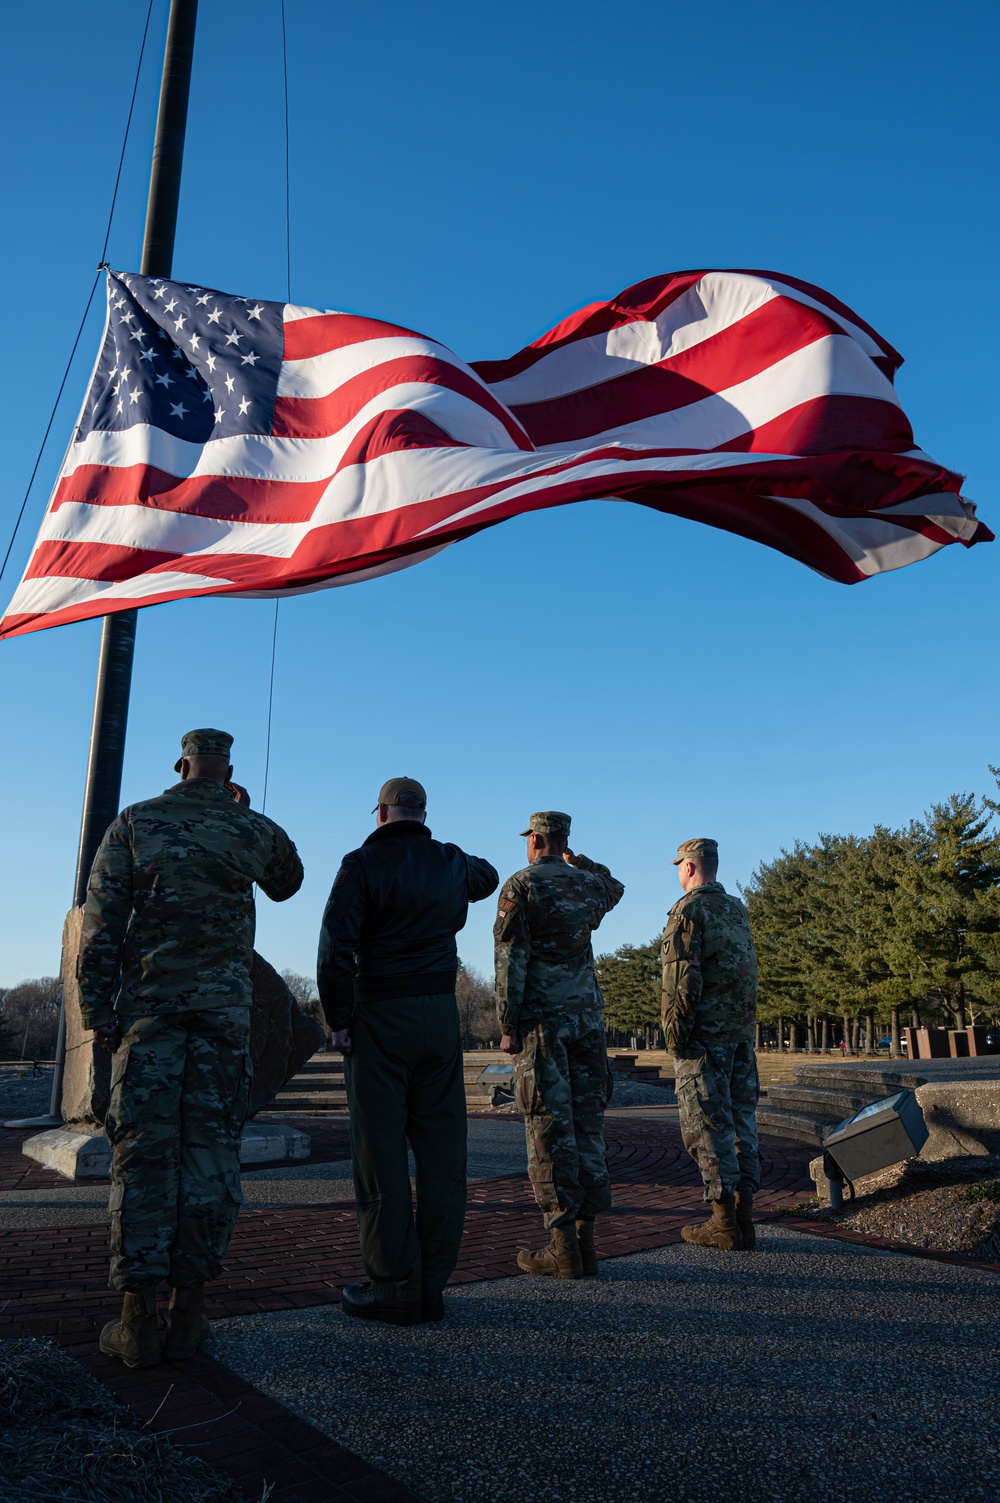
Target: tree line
(29,1018)
(859,935)
(855,934)
(29,1011)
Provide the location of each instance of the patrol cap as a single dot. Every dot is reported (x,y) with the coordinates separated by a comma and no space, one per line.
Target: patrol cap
(690,850)
(204,743)
(548,822)
(405,791)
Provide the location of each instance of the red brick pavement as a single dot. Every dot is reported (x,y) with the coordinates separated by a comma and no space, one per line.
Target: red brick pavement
(54,1283)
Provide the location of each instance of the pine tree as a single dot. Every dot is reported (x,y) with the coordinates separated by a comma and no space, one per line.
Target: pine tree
(946,916)
(631,980)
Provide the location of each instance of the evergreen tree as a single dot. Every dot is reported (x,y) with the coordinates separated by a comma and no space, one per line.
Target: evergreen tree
(631,980)
(946,916)
(784,901)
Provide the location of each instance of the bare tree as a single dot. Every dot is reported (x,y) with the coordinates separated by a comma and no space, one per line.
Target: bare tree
(302,988)
(476,1008)
(29,1018)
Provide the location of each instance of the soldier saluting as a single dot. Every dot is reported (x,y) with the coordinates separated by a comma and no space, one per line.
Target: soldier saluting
(164,974)
(709,1013)
(550,1011)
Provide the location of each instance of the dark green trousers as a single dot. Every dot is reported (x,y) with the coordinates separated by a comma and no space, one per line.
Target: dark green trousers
(405,1082)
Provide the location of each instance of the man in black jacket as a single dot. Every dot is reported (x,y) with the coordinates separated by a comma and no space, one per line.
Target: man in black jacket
(386,975)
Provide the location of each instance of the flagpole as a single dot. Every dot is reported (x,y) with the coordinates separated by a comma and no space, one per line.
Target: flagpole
(114,667)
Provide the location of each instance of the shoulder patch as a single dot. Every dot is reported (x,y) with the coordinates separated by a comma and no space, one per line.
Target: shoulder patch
(340,878)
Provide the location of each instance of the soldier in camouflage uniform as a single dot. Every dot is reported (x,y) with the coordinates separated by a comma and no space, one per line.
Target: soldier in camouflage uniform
(164,976)
(709,1013)
(550,1010)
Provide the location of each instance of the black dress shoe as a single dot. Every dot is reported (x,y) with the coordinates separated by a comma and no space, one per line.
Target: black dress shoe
(432,1306)
(359,1301)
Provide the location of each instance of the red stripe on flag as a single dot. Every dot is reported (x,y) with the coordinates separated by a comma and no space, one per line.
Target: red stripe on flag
(228,498)
(828,425)
(745,349)
(319,417)
(646,300)
(305,337)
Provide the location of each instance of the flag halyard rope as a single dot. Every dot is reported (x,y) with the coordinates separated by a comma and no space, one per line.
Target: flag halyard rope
(288,298)
(101,266)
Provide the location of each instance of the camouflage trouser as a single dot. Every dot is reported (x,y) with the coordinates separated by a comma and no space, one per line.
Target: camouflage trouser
(180,1088)
(717,1091)
(561,1086)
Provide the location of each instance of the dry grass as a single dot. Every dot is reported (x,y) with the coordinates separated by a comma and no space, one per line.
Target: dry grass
(64,1439)
(951,1205)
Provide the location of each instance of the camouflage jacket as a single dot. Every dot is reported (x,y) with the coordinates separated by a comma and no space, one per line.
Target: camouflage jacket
(709,970)
(544,960)
(169,917)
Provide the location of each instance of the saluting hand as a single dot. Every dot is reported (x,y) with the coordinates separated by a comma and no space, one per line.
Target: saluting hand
(569,857)
(240,795)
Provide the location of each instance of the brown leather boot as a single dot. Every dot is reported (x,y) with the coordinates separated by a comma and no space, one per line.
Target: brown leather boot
(722,1231)
(187,1325)
(560,1260)
(588,1252)
(133,1338)
(744,1214)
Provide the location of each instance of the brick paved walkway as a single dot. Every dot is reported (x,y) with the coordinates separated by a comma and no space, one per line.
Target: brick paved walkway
(55,1285)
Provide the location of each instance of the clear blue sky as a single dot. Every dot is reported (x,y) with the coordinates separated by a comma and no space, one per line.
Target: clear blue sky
(476,172)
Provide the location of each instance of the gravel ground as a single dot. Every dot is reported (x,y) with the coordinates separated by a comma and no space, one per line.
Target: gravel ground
(950,1204)
(24,1093)
(807,1370)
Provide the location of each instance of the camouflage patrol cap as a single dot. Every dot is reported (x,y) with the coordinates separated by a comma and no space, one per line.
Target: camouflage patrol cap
(405,791)
(691,850)
(549,822)
(204,743)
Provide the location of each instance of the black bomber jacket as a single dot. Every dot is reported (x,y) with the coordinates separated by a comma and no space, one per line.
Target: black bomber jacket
(390,922)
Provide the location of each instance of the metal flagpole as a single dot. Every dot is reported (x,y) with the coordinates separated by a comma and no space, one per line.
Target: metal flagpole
(114,667)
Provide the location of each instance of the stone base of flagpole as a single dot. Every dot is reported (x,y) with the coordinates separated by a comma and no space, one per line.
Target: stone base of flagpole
(77,1153)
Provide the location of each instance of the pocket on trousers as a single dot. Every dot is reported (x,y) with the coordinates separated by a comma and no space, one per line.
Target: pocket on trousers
(239,1108)
(686,1082)
(526,1097)
(116,1197)
(119,1065)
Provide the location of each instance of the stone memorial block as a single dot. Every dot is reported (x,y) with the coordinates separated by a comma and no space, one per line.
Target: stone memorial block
(86,1088)
(282,1036)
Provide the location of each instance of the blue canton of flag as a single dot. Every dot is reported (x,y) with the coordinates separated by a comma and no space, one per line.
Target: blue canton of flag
(195,363)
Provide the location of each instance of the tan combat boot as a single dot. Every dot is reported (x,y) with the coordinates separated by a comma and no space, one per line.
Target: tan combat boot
(744,1214)
(187,1325)
(133,1338)
(588,1252)
(722,1231)
(560,1260)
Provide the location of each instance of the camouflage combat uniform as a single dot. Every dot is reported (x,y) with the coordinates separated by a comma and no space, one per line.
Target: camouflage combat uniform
(547,993)
(166,948)
(709,1012)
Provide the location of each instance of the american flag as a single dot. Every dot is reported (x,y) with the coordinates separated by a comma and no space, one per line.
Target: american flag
(234,446)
